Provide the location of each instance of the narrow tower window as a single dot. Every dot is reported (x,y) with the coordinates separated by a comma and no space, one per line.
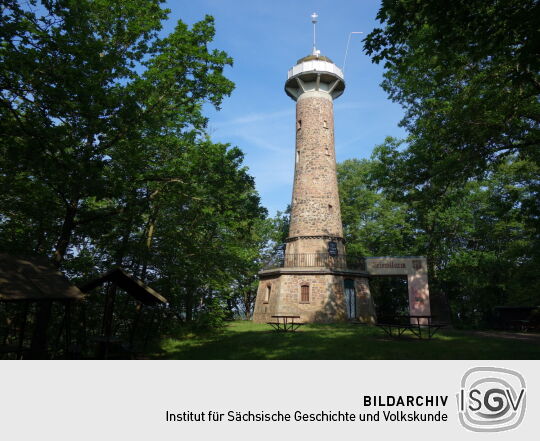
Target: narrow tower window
(298,124)
(304,294)
(325,124)
(297,155)
(267,293)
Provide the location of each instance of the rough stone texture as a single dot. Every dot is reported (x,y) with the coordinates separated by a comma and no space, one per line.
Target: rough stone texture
(315,219)
(315,209)
(265,309)
(326,301)
(312,245)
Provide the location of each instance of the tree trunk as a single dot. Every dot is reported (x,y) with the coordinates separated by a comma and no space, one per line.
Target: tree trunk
(148,243)
(121,251)
(189,305)
(38,347)
(248,304)
(65,235)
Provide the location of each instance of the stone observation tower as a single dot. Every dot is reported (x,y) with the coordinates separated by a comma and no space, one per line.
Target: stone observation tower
(315,279)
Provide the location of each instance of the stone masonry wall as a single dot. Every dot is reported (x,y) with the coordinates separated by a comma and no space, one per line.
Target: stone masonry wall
(312,245)
(315,203)
(326,300)
(265,308)
(315,219)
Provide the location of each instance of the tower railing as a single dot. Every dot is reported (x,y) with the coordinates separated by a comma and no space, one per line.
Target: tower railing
(317,260)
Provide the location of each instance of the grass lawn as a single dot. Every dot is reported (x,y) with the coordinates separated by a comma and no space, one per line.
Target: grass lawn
(245,340)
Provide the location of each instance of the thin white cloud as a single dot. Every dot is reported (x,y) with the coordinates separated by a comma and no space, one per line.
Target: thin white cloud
(264,143)
(253,117)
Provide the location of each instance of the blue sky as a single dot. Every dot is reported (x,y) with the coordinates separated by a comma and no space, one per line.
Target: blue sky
(265,38)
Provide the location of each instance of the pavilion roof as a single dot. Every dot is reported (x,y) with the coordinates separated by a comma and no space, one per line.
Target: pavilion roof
(34,278)
(132,285)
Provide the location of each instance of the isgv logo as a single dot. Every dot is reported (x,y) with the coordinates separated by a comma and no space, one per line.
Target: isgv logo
(491,399)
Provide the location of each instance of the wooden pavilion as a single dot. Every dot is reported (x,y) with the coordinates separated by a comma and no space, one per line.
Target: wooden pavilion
(144,295)
(33,285)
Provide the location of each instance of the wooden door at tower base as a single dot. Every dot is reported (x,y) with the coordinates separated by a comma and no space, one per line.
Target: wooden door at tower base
(350,299)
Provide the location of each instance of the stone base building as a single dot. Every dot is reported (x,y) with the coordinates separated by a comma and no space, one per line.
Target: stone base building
(320,295)
(315,279)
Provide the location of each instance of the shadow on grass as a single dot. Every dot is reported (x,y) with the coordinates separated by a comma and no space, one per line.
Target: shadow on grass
(250,341)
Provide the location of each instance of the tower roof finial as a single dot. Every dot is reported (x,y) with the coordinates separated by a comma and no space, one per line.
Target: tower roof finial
(314,18)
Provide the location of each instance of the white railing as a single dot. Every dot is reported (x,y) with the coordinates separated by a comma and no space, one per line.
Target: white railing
(315,66)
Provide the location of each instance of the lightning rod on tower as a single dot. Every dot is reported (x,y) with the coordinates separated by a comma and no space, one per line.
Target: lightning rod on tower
(314,18)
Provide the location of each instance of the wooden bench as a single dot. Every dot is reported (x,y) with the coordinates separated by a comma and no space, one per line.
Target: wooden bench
(285,323)
(411,323)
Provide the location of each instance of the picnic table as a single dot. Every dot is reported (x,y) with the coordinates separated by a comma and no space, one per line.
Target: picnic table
(285,323)
(521,325)
(413,323)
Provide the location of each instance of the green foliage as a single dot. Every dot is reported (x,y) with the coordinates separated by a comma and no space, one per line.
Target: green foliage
(104,158)
(467,73)
(465,182)
(481,238)
(390,297)
(212,316)
(373,224)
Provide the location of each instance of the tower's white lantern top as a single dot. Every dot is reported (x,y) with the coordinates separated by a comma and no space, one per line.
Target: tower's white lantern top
(315,73)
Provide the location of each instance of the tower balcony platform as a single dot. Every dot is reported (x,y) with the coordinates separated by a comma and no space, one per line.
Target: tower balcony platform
(314,73)
(317,261)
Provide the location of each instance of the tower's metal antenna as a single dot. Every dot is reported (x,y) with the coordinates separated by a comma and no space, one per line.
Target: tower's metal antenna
(314,17)
(347,50)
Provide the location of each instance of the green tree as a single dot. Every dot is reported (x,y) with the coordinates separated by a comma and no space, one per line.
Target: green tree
(204,227)
(104,158)
(89,92)
(480,242)
(467,73)
(374,225)
(493,260)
